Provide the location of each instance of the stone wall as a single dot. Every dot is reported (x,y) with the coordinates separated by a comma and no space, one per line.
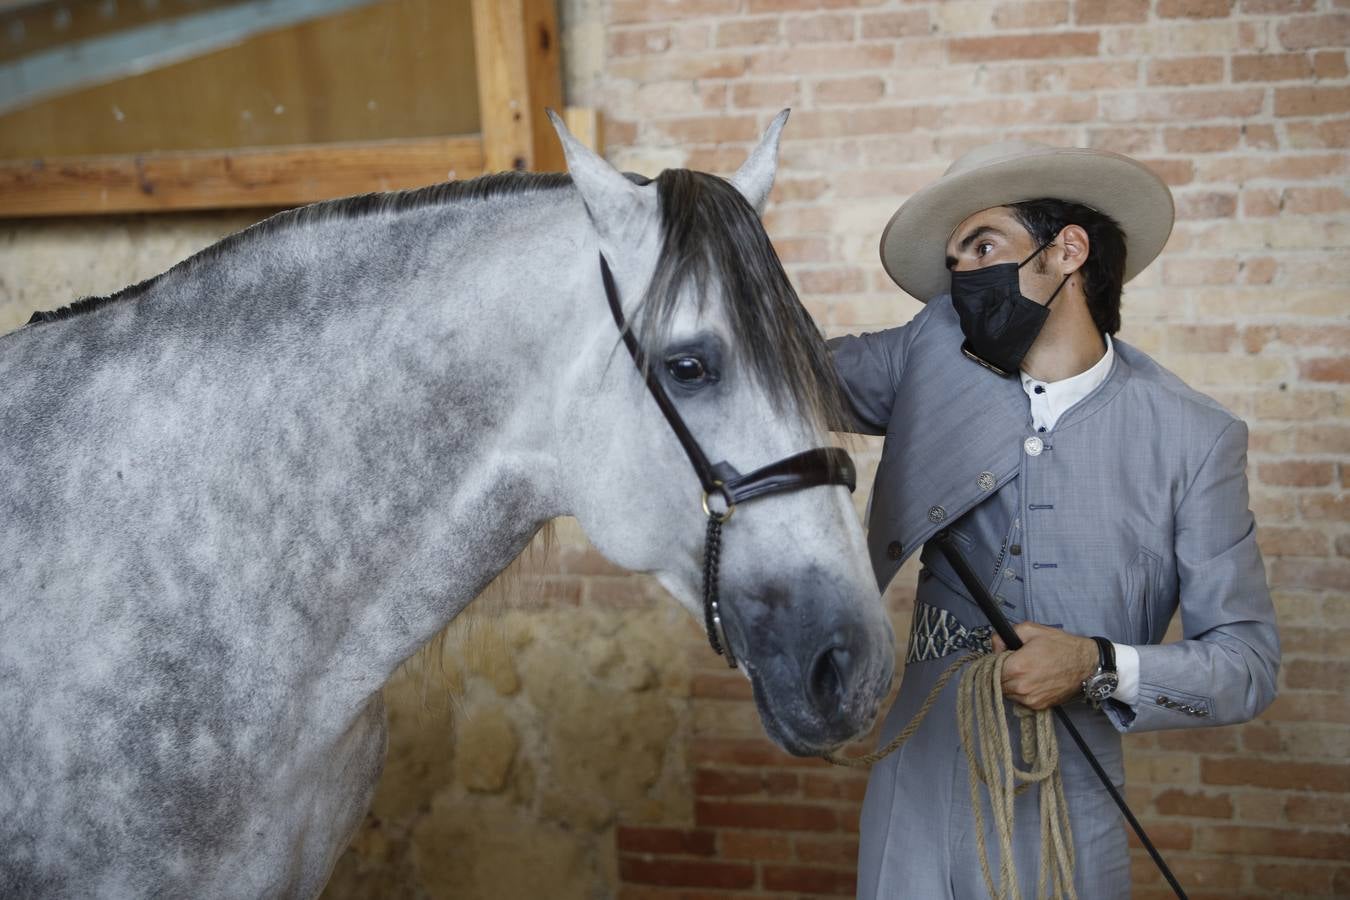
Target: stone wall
(588,744)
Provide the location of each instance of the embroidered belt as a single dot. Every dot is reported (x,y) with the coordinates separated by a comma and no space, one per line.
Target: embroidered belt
(936,633)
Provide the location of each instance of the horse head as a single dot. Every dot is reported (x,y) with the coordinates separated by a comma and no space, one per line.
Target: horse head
(726,354)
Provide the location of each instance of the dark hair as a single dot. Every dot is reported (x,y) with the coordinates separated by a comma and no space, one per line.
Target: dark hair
(1104,271)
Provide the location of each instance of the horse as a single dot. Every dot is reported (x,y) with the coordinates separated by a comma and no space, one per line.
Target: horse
(238,495)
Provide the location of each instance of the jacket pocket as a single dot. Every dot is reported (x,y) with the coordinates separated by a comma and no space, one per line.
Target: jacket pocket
(1140,586)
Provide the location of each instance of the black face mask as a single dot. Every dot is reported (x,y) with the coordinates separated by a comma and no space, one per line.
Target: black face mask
(1000,324)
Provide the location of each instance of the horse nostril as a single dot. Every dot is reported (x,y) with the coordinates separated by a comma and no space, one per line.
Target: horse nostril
(829,675)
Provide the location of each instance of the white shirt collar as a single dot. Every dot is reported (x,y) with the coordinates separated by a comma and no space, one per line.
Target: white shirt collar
(1051,399)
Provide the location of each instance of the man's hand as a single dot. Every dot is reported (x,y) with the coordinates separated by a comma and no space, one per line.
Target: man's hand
(1049,668)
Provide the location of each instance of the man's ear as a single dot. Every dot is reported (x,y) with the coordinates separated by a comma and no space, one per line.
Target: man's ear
(755,178)
(610,198)
(1074,247)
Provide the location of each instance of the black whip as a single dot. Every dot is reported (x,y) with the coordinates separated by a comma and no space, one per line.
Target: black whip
(1005,630)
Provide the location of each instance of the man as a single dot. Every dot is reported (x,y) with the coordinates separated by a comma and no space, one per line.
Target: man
(1092,490)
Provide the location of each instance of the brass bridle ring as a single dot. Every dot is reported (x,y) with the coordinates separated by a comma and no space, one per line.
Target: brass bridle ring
(725,515)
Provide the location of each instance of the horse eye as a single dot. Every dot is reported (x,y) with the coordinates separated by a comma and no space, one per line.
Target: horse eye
(687,369)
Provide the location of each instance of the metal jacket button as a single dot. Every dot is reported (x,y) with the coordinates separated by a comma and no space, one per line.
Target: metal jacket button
(1009,574)
(937,514)
(986,481)
(894,550)
(1033,445)
(1015,549)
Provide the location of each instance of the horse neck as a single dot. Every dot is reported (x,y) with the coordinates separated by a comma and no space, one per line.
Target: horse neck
(357,418)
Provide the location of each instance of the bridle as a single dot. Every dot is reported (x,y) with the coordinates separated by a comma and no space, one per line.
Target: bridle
(810,468)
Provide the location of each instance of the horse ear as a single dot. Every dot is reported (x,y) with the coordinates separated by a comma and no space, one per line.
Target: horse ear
(610,198)
(755,178)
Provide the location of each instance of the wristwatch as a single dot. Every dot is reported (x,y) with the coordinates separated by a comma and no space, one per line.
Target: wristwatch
(1102,683)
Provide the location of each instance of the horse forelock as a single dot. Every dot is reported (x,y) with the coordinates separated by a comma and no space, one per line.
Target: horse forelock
(714,246)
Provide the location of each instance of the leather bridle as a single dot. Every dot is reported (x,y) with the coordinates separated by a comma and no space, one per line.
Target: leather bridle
(810,468)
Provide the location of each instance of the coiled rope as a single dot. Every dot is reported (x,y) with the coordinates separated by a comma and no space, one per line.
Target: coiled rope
(987,742)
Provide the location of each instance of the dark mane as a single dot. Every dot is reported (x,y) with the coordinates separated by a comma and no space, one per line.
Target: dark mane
(712,236)
(484,188)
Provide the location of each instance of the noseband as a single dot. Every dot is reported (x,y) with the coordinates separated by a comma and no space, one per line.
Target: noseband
(820,466)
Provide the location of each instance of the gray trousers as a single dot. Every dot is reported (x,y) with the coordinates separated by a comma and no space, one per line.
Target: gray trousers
(917,835)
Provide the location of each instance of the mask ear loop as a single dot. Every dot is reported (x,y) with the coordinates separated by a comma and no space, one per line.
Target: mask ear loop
(1037,252)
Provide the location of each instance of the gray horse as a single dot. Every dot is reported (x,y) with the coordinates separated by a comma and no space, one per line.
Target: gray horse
(235,497)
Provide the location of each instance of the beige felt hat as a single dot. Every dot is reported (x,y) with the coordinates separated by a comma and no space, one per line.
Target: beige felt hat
(913,246)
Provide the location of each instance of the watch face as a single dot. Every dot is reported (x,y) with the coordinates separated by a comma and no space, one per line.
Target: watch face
(1101,686)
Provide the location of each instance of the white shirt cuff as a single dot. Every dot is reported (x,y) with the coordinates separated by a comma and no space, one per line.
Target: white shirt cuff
(1127,667)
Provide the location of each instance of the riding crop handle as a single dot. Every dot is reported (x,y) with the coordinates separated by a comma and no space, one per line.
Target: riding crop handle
(1004,629)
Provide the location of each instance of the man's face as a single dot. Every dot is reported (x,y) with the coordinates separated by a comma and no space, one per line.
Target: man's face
(993,236)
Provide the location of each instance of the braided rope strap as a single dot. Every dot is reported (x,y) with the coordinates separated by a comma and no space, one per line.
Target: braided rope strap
(987,742)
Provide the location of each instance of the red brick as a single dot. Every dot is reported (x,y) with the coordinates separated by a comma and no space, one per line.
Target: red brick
(639,41)
(1166,835)
(1194,9)
(1055,45)
(1294,878)
(1206,139)
(1317,675)
(1330,368)
(1031,14)
(654,10)
(1323,439)
(1302,844)
(666,841)
(1303,32)
(863,89)
(1314,574)
(1200,271)
(841,852)
(825,60)
(1271,773)
(1267,7)
(895,24)
(825,27)
(746,752)
(1110,12)
(1186,70)
(810,880)
(766,95)
(751,845)
(1280,540)
(1191,803)
(1272,67)
(686,872)
(1206,205)
(1325,507)
(1298,473)
(1318,135)
(768,816)
(738,33)
(1315,100)
(708,782)
(1330,64)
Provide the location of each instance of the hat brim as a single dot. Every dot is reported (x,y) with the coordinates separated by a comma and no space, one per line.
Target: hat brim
(914,244)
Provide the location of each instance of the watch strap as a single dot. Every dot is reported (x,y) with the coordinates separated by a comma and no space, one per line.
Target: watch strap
(1106,652)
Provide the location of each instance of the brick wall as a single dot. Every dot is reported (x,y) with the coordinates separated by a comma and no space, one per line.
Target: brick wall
(1244,108)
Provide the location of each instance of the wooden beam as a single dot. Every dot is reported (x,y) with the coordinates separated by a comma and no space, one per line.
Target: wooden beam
(516,47)
(273,177)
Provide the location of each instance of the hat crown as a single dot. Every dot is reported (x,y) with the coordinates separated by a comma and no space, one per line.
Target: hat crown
(1002,151)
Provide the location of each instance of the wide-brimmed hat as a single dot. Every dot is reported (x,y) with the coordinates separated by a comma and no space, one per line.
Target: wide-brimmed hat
(913,246)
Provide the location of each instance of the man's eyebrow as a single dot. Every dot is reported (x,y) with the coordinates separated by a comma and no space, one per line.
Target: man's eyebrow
(971,238)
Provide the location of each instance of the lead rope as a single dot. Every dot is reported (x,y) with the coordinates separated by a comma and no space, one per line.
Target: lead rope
(987,743)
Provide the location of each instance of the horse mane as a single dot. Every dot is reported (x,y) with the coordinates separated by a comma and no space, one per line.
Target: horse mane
(711,235)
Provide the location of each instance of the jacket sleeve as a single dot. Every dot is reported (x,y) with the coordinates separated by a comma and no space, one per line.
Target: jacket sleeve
(1224,669)
(870,366)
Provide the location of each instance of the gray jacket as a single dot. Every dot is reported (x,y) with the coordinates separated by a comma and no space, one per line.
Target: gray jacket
(1136,507)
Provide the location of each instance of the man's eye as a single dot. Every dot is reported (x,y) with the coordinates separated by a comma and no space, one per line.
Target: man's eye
(983,248)
(687,369)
